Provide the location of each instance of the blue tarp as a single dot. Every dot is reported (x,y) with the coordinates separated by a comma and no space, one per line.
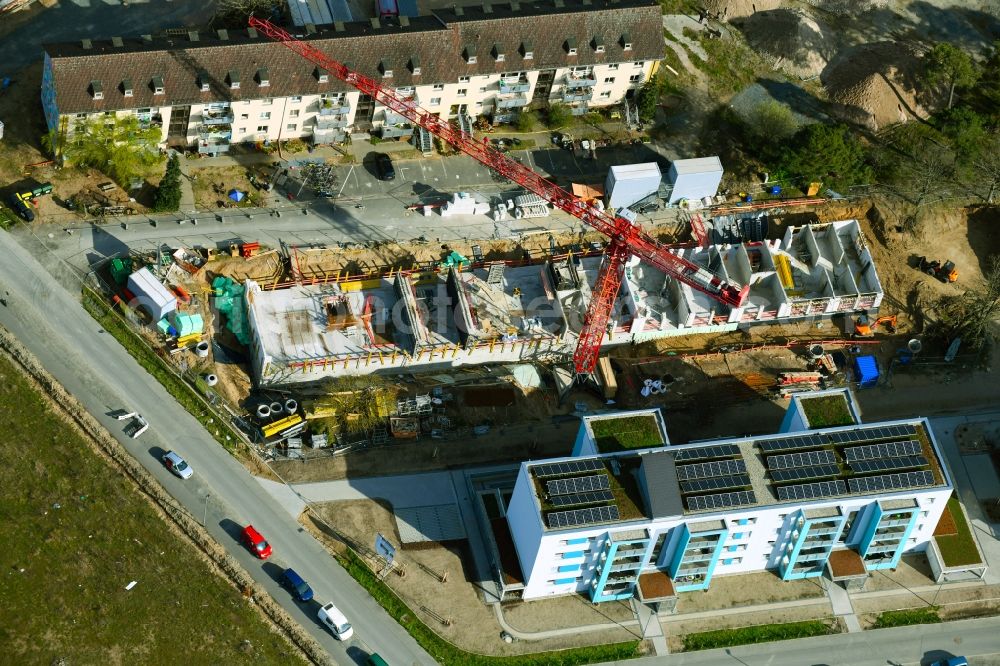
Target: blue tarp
(236,195)
(866,371)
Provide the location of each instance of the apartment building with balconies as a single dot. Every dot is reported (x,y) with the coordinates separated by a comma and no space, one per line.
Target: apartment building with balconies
(609,520)
(211,89)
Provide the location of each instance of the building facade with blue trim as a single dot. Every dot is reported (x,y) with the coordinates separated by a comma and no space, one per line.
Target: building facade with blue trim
(594,523)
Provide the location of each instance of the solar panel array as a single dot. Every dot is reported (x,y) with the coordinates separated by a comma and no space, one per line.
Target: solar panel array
(885,464)
(859,436)
(715,483)
(709,469)
(707,453)
(802,473)
(805,491)
(810,458)
(888,450)
(721,500)
(568,468)
(599,514)
(578,484)
(579,499)
(868,484)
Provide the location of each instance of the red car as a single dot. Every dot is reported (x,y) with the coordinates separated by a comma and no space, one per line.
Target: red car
(256,543)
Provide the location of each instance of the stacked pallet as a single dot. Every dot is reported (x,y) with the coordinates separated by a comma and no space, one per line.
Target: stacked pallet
(798,382)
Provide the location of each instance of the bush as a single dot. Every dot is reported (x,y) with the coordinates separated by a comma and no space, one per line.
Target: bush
(295,145)
(646,100)
(708,640)
(168,192)
(903,618)
(374,139)
(557,115)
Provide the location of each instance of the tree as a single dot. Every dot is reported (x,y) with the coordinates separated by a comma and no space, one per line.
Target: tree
(971,315)
(771,121)
(168,192)
(827,153)
(984,168)
(918,166)
(235,13)
(119,147)
(965,130)
(557,115)
(526,121)
(946,65)
(646,99)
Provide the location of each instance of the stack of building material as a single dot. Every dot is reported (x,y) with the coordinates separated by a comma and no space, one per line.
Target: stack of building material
(798,382)
(121,268)
(463,203)
(531,205)
(230,302)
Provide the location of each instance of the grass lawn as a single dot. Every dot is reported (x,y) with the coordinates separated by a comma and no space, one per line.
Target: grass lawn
(75,534)
(959,548)
(708,640)
(627,432)
(903,618)
(826,411)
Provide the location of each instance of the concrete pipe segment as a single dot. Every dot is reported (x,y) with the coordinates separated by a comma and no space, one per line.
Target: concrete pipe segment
(202,349)
(263,411)
(276,408)
(291,406)
(211,380)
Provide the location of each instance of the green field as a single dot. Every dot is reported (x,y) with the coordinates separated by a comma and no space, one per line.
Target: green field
(75,534)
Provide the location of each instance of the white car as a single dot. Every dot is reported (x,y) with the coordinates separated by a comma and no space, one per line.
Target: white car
(331,616)
(177,465)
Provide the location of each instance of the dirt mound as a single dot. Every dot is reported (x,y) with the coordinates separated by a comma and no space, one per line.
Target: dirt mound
(797,42)
(851,7)
(873,83)
(730,9)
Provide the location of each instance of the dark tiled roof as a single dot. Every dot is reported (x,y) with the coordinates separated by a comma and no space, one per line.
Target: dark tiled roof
(436,41)
(659,477)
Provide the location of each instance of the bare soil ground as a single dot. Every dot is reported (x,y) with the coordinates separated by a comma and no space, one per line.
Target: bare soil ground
(913,571)
(748,590)
(212,185)
(454,608)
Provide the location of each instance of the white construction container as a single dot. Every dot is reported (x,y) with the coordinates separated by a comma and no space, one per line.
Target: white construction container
(694,179)
(628,183)
(151,294)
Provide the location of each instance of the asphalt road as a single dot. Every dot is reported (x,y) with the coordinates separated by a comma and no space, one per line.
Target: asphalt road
(97,370)
(73,20)
(904,646)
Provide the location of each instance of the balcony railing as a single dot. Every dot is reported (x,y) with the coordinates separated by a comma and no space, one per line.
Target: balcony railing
(581,110)
(514,102)
(332,122)
(213,146)
(580,81)
(217,118)
(332,107)
(580,95)
(395,131)
(215,132)
(514,86)
(321,135)
(154,120)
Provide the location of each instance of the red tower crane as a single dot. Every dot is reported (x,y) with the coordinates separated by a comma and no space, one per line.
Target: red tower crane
(626,238)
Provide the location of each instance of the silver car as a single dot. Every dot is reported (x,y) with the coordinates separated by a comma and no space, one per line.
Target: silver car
(177,465)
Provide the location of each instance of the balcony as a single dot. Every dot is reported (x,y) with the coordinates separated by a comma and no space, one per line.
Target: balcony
(332,121)
(215,146)
(215,132)
(580,110)
(217,118)
(575,82)
(332,107)
(580,95)
(331,135)
(514,86)
(691,571)
(151,120)
(515,102)
(395,131)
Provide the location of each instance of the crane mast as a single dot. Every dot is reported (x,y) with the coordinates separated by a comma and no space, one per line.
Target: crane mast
(626,238)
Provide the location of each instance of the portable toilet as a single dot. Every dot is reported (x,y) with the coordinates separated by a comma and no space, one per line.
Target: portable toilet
(866,371)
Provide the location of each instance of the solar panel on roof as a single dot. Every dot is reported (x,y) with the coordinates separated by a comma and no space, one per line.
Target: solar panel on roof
(721,500)
(578,484)
(784,444)
(707,453)
(705,470)
(802,473)
(715,483)
(598,514)
(578,499)
(805,491)
(568,467)
(806,459)
(883,464)
(887,450)
(868,484)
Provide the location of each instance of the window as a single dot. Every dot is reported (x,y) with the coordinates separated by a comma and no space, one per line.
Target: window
(435,101)
(528,55)
(733,549)
(294,113)
(472,60)
(627,46)
(576,542)
(599,48)
(743,521)
(438,87)
(563,581)
(241,130)
(920,528)
(606,94)
(296,99)
(569,567)
(387,74)
(635,78)
(80,115)
(291,127)
(261,128)
(574,554)
(609,79)
(738,535)
(157,82)
(613,66)
(140,111)
(461,92)
(483,89)
(267,101)
(727,562)
(322,75)
(501,57)
(463,79)
(265,115)
(244,116)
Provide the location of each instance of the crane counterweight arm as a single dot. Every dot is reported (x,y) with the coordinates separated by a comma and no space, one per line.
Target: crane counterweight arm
(626,237)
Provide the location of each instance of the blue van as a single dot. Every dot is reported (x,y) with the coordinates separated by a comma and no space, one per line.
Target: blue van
(294,582)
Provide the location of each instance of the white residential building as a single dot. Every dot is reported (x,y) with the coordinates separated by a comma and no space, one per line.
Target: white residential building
(214,89)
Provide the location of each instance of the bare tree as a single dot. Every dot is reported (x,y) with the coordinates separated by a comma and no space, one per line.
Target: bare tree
(985,166)
(919,167)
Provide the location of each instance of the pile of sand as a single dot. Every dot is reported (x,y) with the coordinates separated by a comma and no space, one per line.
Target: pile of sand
(873,83)
(797,43)
(730,9)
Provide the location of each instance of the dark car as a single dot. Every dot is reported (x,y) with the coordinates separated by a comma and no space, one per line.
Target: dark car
(21,208)
(384,168)
(293,581)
